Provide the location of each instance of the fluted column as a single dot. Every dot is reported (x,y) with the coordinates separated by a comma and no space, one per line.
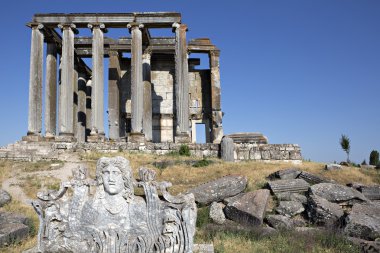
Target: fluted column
(35,81)
(114,73)
(51,90)
(66,101)
(81,108)
(88,107)
(147,117)
(97,95)
(181,84)
(217,114)
(137,89)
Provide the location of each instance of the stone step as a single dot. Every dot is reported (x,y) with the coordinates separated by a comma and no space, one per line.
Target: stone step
(288,185)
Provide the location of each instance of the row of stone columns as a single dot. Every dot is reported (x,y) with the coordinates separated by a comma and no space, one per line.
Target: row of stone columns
(71,123)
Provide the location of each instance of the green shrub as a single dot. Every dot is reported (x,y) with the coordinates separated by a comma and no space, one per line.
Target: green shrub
(184,150)
(202,163)
(374,158)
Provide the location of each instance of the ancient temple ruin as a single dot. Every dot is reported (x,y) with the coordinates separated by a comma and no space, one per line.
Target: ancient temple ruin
(155,95)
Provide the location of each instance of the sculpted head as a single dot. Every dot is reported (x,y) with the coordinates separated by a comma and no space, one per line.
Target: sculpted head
(115,175)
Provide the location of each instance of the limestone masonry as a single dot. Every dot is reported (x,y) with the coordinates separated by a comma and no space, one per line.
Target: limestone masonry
(156,95)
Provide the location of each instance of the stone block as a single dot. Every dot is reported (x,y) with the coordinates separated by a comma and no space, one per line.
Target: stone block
(370,192)
(12,232)
(289,173)
(227,149)
(5,197)
(288,185)
(323,212)
(279,221)
(219,189)
(312,179)
(333,166)
(216,213)
(290,208)
(249,209)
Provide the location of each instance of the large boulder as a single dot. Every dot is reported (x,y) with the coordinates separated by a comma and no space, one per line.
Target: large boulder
(288,185)
(216,213)
(13,228)
(219,189)
(364,221)
(290,208)
(5,198)
(323,212)
(249,209)
(337,193)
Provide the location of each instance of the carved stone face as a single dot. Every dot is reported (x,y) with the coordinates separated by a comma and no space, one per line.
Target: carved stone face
(112,180)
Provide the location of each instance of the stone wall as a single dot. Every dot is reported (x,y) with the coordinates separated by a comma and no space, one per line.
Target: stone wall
(267,152)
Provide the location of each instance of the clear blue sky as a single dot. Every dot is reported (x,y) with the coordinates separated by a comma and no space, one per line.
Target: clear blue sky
(299,71)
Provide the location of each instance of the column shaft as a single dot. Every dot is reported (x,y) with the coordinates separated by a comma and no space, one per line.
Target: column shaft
(66,127)
(147,117)
(217,114)
(35,81)
(137,91)
(75,99)
(88,107)
(51,90)
(181,81)
(114,75)
(97,95)
(81,112)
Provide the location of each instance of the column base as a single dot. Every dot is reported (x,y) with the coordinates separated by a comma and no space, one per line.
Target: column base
(182,138)
(96,138)
(65,137)
(136,137)
(31,137)
(49,137)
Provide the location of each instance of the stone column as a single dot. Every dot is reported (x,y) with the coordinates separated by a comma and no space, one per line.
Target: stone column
(114,73)
(51,90)
(217,114)
(75,98)
(81,111)
(35,84)
(66,101)
(137,91)
(181,84)
(147,118)
(97,95)
(88,107)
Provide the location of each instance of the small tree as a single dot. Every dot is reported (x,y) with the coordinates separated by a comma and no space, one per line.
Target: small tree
(345,144)
(374,158)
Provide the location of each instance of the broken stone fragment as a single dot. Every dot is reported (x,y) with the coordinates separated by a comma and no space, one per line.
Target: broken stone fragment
(285,174)
(219,189)
(13,228)
(364,221)
(313,179)
(288,196)
(337,193)
(250,209)
(216,213)
(333,166)
(279,221)
(288,185)
(371,192)
(323,212)
(290,208)
(5,198)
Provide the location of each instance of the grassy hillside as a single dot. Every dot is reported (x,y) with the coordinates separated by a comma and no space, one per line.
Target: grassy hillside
(184,173)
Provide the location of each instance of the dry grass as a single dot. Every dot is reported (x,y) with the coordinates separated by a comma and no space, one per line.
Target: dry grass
(184,176)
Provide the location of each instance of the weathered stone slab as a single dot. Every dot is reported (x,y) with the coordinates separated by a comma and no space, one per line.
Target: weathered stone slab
(290,208)
(216,213)
(333,166)
(228,200)
(5,197)
(323,212)
(219,189)
(285,174)
(12,232)
(288,185)
(364,221)
(203,248)
(249,209)
(227,149)
(337,193)
(288,196)
(370,192)
(312,179)
(279,221)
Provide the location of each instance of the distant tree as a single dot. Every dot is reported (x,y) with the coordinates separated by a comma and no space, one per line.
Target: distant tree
(374,158)
(345,144)
(364,162)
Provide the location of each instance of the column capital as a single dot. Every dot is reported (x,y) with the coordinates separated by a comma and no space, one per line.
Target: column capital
(179,26)
(113,53)
(147,52)
(38,26)
(100,26)
(134,25)
(68,26)
(215,52)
